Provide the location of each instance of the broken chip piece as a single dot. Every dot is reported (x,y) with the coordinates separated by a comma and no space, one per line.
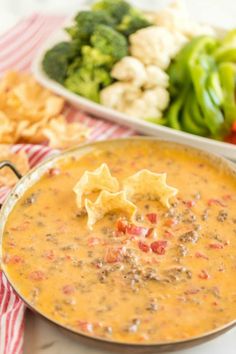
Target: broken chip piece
(108,202)
(149,185)
(99,179)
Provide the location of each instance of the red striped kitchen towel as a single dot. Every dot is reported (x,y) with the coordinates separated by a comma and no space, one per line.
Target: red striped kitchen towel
(17,49)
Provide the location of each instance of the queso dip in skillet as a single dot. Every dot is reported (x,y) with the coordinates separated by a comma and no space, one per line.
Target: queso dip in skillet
(168,273)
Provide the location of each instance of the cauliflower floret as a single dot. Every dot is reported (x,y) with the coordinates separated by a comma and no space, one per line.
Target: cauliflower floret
(158,97)
(111,96)
(172,17)
(131,100)
(130,69)
(194,29)
(156,77)
(143,103)
(139,108)
(175,17)
(153,45)
(115,95)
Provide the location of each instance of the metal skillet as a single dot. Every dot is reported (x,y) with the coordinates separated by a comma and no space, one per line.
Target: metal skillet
(109,345)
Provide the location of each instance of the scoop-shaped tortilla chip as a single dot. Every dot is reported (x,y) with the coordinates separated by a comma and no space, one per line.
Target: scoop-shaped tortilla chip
(98,180)
(108,202)
(149,185)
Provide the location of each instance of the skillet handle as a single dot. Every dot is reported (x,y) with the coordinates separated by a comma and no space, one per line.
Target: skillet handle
(7,163)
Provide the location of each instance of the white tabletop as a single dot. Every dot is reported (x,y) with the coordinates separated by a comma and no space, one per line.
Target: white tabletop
(45,338)
(42,337)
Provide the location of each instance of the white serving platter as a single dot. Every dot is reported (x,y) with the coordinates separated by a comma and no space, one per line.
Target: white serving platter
(98,110)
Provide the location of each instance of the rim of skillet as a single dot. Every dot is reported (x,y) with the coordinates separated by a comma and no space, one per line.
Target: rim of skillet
(32,177)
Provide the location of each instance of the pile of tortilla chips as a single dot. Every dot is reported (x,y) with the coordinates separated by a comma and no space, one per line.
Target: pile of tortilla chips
(30,113)
(19,160)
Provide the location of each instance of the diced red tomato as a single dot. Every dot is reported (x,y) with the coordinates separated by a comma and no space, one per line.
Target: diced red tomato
(152,217)
(54,172)
(201,255)
(171,222)
(121,225)
(203,275)
(216,246)
(159,247)
(136,230)
(113,254)
(168,234)
(49,255)
(13,259)
(68,289)
(190,203)
(143,246)
(216,202)
(37,275)
(93,241)
(85,326)
(231,138)
(233,128)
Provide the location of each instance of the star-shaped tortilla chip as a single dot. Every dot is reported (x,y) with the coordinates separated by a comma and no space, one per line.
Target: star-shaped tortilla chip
(108,202)
(98,180)
(149,185)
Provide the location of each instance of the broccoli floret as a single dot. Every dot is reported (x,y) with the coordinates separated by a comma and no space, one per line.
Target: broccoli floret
(56,60)
(90,58)
(95,58)
(116,8)
(132,22)
(86,22)
(75,65)
(88,82)
(110,42)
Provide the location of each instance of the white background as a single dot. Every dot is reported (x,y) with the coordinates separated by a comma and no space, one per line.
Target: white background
(41,337)
(219,12)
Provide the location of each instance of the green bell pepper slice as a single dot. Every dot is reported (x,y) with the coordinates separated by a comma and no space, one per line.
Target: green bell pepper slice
(174,112)
(214,88)
(227,49)
(179,69)
(188,122)
(212,114)
(196,113)
(225,54)
(227,72)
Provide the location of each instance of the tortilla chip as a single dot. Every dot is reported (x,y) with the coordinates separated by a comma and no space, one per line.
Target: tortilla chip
(32,133)
(62,134)
(20,160)
(108,202)
(149,185)
(6,129)
(98,180)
